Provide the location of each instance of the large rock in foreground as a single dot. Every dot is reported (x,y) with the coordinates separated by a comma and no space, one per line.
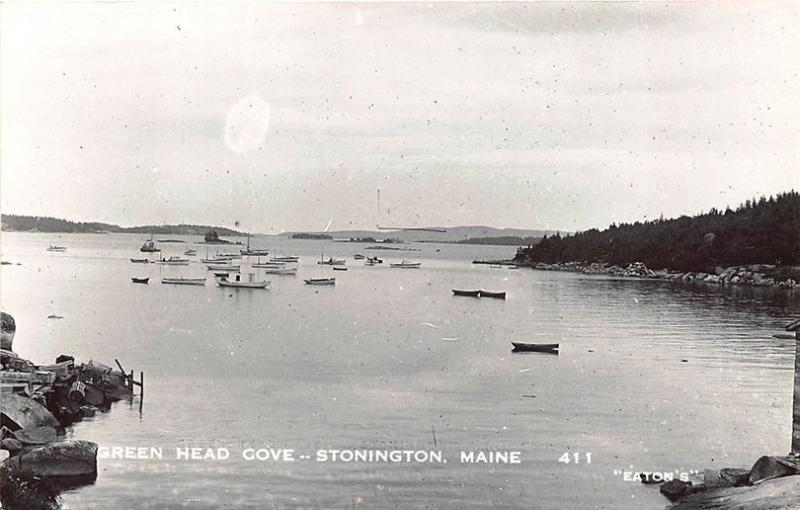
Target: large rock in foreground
(71,460)
(22,413)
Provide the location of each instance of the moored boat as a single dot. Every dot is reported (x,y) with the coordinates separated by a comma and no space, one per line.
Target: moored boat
(331,262)
(286,258)
(321,281)
(358,256)
(140,280)
(140,261)
(190,252)
(496,295)
(523,347)
(468,293)
(340,269)
(184,281)
(407,265)
(174,261)
(281,270)
(239,283)
(269,265)
(53,247)
(223,267)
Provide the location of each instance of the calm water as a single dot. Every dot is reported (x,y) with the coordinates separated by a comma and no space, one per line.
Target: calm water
(388,358)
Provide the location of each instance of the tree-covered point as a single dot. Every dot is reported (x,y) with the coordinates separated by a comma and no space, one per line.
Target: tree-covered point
(763,231)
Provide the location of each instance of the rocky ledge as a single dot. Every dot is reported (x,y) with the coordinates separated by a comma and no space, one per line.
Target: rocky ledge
(755,275)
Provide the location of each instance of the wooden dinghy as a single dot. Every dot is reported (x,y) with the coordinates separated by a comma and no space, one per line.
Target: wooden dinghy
(340,269)
(468,293)
(281,270)
(321,281)
(184,281)
(546,348)
(140,280)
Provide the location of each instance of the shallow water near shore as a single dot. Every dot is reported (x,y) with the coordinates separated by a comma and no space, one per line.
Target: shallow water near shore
(652,376)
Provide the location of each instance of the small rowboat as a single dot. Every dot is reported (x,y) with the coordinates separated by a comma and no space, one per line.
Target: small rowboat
(468,293)
(358,256)
(184,281)
(340,269)
(57,248)
(321,281)
(287,258)
(174,261)
(140,280)
(190,252)
(269,265)
(140,261)
(281,270)
(224,282)
(496,295)
(407,265)
(521,347)
(223,267)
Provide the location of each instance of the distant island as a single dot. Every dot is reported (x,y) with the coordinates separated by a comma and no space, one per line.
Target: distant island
(305,235)
(501,241)
(764,231)
(18,223)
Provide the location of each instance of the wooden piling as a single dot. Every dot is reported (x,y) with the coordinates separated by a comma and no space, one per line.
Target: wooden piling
(795,326)
(141,384)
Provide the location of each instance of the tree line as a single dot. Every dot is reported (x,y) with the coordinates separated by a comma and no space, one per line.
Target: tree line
(763,231)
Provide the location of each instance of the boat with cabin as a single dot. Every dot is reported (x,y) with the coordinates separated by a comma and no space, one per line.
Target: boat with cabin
(242,281)
(331,262)
(149,246)
(173,261)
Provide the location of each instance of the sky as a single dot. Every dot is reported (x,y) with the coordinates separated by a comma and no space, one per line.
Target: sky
(290,116)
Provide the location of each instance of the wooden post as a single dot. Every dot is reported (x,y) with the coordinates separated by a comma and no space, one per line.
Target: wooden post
(795,326)
(141,384)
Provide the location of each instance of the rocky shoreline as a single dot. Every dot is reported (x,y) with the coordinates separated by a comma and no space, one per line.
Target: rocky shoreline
(37,404)
(754,275)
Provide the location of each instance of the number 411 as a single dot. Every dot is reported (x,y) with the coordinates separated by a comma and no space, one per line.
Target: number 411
(575,458)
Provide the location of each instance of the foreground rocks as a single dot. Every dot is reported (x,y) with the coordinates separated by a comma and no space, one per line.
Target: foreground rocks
(728,488)
(36,404)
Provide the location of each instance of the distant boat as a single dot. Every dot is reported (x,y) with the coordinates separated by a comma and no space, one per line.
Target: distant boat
(140,280)
(469,293)
(496,295)
(184,281)
(149,246)
(407,265)
(340,269)
(281,270)
(222,274)
(331,262)
(371,261)
(547,348)
(321,281)
(57,248)
(358,256)
(190,252)
(140,261)
(174,261)
(287,258)
(237,282)
(255,253)
(54,316)
(216,260)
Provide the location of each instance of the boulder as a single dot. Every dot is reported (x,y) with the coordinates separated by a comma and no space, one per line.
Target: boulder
(736,476)
(675,489)
(17,412)
(67,459)
(36,435)
(11,445)
(768,467)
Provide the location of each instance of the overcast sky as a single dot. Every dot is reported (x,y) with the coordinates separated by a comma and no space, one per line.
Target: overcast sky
(290,116)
